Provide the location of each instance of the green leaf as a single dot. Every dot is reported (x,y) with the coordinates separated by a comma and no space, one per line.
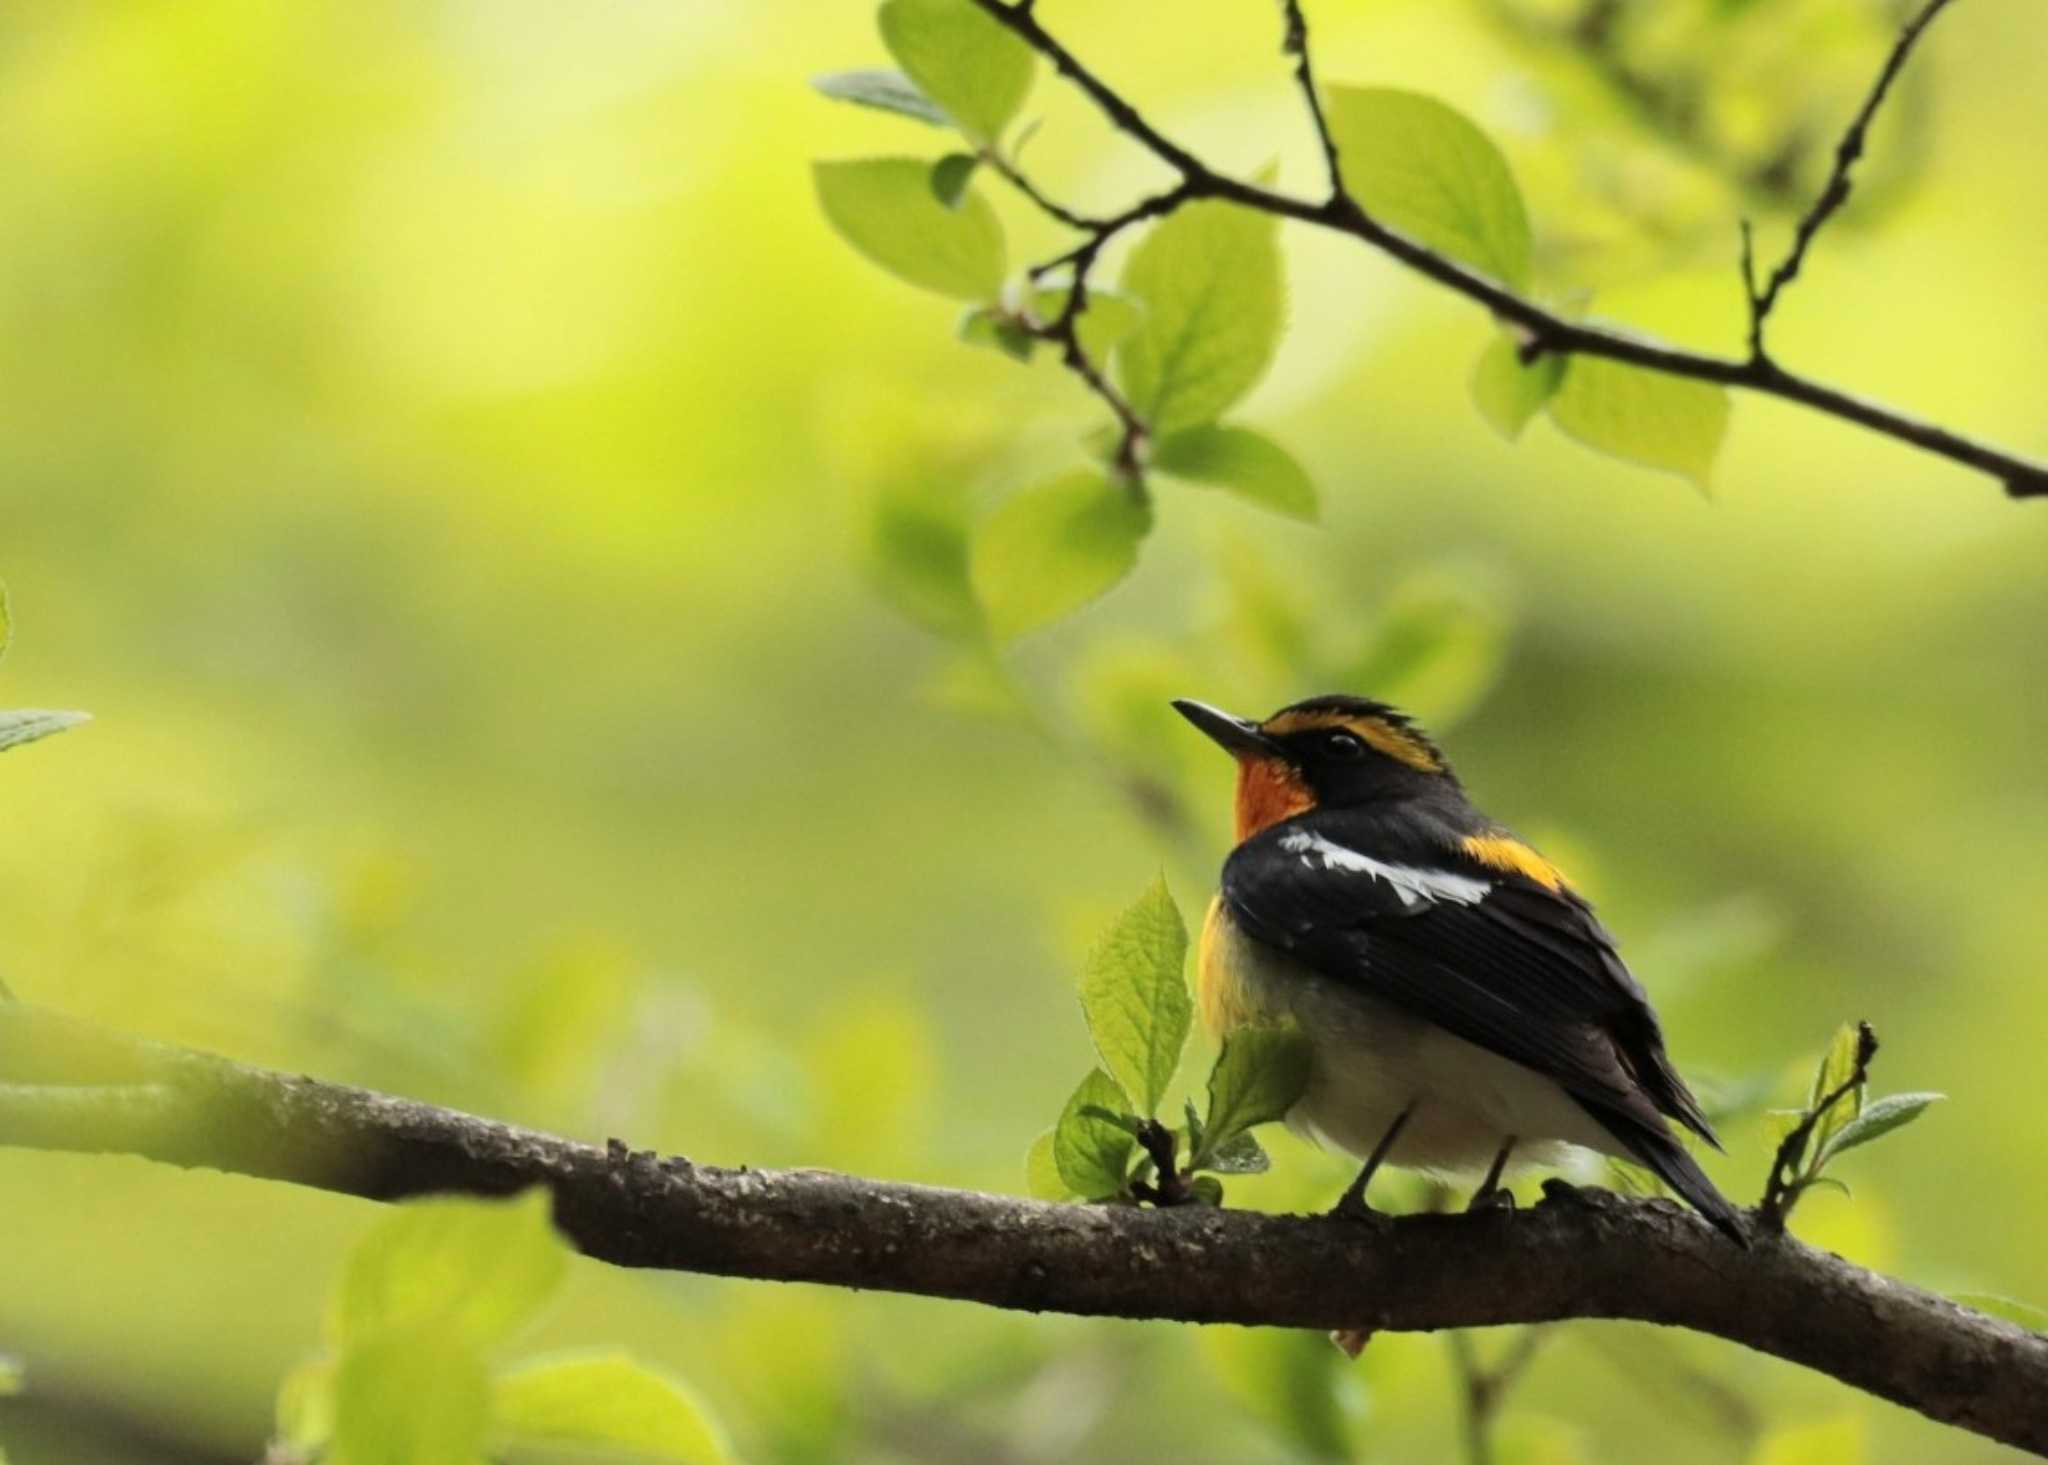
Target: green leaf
(1207,1190)
(1779,1124)
(2013,1311)
(1194,1129)
(1240,1155)
(992,327)
(28,724)
(884,208)
(1837,1067)
(1258,1076)
(950,177)
(918,556)
(1646,417)
(1506,392)
(410,1397)
(1093,1156)
(1135,996)
(1424,169)
(1248,464)
(1893,1111)
(604,1401)
(1052,549)
(473,1268)
(1209,279)
(1042,1179)
(962,59)
(882,89)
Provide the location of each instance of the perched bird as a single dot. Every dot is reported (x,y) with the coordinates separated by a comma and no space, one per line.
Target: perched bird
(1461,1002)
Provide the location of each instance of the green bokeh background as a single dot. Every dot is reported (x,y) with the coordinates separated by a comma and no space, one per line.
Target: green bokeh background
(438,446)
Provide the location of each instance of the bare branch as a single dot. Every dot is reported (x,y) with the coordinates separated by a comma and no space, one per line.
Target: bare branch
(1836,192)
(1545,330)
(68,1086)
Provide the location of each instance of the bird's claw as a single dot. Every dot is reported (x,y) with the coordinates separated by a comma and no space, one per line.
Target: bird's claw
(1495,1198)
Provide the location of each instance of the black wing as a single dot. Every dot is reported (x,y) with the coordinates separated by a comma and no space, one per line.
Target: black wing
(1394,906)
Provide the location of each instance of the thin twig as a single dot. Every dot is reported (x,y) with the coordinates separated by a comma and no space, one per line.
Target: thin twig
(1575,1254)
(1483,1390)
(1836,192)
(1010,173)
(1295,44)
(1547,331)
(1782,1189)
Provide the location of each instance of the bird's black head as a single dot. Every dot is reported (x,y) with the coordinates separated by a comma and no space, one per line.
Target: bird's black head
(1325,752)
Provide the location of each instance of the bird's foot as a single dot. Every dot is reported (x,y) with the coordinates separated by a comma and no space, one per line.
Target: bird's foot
(1352,1207)
(1492,1198)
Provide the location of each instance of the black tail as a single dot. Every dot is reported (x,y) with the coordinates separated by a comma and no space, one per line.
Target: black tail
(1673,1165)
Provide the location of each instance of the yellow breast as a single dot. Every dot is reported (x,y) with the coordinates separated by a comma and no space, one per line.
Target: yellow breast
(1223,987)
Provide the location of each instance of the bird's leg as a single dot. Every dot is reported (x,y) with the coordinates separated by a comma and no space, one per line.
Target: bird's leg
(1352,1205)
(1491,1196)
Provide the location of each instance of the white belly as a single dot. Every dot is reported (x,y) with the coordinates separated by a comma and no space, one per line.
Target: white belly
(1372,1061)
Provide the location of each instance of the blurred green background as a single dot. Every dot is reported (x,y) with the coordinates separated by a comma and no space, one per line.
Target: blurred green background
(440,443)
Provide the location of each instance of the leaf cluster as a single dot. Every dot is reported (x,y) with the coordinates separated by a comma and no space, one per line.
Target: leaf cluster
(425,1304)
(1198,312)
(1110,1144)
(1838,1116)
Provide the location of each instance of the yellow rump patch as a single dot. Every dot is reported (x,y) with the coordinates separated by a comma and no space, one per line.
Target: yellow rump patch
(1505,852)
(1396,742)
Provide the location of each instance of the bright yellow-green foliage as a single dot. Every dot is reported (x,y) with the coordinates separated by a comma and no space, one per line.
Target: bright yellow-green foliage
(441,447)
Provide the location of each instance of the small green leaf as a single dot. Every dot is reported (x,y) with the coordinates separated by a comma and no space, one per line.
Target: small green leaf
(882,89)
(994,329)
(1893,1111)
(27,725)
(1506,392)
(962,59)
(305,1406)
(1426,170)
(1646,417)
(1135,996)
(918,553)
(1821,1182)
(1130,1124)
(409,1397)
(884,208)
(1209,279)
(1042,1179)
(1052,549)
(1194,1129)
(473,1268)
(1258,1077)
(950,177)
(1241,1155)
(605,1401)
(1246,463)
(1837,1067)
(1093,1157)
(1207,1190)
(1779,1124)
(2024,1313)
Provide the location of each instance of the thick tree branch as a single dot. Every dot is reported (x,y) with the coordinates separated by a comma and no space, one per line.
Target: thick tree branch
(68,1086)
(1545,330)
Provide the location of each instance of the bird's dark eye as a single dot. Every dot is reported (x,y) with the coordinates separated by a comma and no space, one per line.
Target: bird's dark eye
(1343,745)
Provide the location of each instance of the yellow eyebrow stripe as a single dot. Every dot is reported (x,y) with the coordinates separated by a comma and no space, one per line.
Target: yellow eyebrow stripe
(1505,852)
(1396,742)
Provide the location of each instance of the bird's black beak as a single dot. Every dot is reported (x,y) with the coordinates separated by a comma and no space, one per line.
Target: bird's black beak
(1240,737)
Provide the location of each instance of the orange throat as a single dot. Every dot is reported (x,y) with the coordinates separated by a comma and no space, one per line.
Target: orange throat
(1268,790)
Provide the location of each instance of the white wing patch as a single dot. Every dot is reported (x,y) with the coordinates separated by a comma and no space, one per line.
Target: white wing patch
(1414,887)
